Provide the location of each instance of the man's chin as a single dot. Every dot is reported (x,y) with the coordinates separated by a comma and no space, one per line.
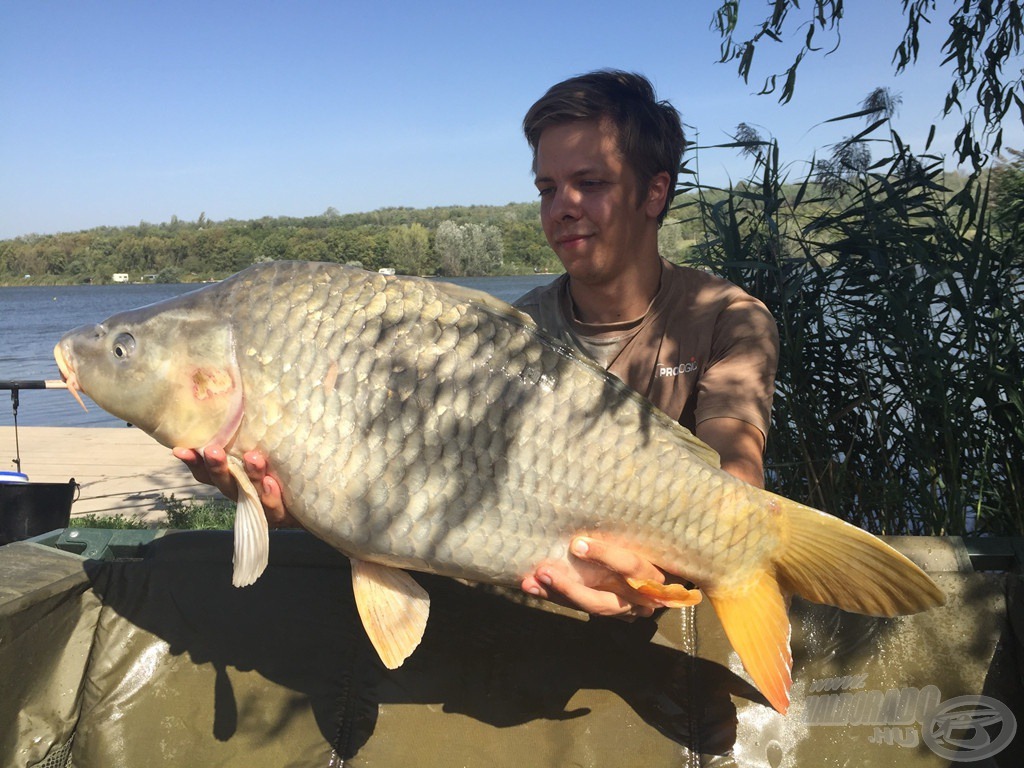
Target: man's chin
(585,272)
(576,259)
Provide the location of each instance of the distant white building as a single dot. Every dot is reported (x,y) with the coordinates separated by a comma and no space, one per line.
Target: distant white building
(120,277)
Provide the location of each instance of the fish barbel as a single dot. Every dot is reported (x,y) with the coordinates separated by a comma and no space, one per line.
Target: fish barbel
(423,426)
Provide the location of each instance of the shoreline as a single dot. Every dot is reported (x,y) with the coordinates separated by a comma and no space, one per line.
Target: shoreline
(120,470)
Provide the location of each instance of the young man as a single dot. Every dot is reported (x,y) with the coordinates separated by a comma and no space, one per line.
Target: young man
(606,155)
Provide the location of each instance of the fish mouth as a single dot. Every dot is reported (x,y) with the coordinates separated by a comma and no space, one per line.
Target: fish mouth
(67,373)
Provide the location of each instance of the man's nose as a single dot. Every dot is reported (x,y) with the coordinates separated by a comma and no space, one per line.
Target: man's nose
(565,203)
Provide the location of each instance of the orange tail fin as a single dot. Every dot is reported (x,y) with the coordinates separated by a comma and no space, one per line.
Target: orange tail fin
(827,561)
(830,561)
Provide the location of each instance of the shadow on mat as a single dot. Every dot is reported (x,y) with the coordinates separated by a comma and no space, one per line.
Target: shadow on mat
(483,655)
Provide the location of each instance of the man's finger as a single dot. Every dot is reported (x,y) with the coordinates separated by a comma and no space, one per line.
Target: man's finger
(273,504)
(606,600)
(194,461)
(622,561)
(271,498)
(217,464)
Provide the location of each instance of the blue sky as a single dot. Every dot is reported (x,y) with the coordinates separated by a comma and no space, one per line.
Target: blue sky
(112,113)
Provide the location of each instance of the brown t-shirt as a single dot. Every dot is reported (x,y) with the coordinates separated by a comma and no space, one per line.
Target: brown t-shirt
(704,348)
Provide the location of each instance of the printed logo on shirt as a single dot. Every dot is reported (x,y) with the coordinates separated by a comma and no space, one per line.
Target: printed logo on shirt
(677,370)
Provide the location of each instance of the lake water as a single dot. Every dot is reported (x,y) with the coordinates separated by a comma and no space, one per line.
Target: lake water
(32,320)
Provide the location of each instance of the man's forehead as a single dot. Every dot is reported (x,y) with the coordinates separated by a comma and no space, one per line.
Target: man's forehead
(577,147)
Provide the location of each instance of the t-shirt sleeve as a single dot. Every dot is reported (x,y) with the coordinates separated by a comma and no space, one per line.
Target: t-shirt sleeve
(739,380)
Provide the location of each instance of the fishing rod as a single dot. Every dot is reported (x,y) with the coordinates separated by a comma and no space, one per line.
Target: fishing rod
(15,386)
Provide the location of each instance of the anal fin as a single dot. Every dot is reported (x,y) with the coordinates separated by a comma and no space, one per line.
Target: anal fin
(393,609)
(755,620)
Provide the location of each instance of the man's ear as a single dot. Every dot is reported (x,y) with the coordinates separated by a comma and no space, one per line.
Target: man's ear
(657,193)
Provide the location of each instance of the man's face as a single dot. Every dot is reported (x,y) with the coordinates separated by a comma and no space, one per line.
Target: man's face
(591,209)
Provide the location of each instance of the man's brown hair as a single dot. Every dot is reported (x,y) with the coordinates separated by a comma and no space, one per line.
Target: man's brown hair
(650,133)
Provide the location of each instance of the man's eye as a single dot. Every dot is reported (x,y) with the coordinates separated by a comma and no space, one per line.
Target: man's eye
(591,183)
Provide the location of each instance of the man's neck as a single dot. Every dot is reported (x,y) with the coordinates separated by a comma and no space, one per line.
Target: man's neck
(625,298)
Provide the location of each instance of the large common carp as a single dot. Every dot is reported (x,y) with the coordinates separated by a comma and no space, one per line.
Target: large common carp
(418,425)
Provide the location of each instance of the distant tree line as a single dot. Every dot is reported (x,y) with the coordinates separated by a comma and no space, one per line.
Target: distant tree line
(447,241)
(402,239)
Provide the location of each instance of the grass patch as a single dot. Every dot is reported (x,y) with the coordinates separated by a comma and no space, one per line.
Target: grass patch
(181,515)
(214,514)
(118,522)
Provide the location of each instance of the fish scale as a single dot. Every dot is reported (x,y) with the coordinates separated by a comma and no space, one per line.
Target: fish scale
(414,424)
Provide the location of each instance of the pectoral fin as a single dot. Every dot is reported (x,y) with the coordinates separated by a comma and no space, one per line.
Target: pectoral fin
(668,595)
(393,608)
(252,537)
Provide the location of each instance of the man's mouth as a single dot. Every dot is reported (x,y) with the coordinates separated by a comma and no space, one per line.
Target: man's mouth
(569,241)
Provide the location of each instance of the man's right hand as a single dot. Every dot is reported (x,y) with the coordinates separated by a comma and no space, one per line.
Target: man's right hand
(210,466)
(595,580)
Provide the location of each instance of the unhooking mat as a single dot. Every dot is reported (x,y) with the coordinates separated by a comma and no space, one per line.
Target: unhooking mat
(159,661)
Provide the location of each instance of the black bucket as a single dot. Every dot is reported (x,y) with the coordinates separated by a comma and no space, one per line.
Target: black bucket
(30,509)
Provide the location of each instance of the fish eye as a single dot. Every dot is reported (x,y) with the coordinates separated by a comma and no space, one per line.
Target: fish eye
(124,345)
